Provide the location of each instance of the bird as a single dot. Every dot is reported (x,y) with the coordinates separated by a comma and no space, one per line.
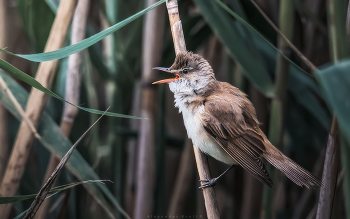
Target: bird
(221,121)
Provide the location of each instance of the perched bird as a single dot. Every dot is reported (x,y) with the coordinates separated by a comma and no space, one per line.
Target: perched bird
(221,121)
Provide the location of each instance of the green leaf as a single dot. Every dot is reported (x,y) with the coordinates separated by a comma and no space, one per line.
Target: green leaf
(69,50)
(57,143)
(240,49)
(34,83)
(302,87)
(37,20)
(335,80)
(53,4)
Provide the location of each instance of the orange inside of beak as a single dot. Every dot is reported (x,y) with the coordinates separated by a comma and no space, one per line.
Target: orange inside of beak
(167,80)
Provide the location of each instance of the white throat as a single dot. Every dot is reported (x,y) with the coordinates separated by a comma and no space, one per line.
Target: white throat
(185,92)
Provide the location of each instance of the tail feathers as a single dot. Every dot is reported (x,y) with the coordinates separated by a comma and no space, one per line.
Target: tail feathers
(292,170)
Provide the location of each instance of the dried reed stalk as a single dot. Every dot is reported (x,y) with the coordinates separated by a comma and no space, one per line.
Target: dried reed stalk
(183,181)
(35,105)
(201,159)
(152,52)
(72,90)
(211,204)
(3,113)
(329,175)
(331,163)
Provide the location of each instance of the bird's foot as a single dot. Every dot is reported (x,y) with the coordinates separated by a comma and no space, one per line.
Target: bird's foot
(207,183)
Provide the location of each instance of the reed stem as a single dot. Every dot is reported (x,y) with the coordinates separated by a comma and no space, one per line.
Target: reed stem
(276,129)
(35,106)
(201,159)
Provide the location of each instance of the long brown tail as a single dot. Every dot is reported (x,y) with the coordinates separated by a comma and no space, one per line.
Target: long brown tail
(292,170)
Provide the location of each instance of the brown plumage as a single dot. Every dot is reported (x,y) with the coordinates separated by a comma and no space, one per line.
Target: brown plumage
(217,113)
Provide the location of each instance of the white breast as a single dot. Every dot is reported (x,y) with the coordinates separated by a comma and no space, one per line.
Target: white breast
(200,138)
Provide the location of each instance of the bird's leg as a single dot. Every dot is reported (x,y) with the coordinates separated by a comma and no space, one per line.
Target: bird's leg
(212,182)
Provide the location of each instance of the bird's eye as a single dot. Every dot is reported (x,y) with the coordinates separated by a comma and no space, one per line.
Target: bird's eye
(185,71)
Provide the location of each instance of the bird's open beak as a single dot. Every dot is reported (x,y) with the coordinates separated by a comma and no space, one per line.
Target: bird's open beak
(166,80)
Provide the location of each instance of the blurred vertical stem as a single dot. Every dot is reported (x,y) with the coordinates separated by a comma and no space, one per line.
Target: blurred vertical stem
(338,45)
(151,57)
(345,153)
(112,16)
(276,128)
(72,90)
(183,180)
(329,174)
(345,146)
(35,105)
(339,50)
(348,24)
(4,147)
(160,153)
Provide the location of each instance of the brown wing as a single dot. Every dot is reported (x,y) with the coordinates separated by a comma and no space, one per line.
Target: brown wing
(225,122)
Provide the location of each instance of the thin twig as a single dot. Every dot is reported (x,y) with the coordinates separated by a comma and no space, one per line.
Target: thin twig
(44,191)
(72,89)
(303,58)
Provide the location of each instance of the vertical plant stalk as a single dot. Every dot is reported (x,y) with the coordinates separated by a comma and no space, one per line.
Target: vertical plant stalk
(183,179)
(35,105)
(310,26)
(339,50)
(329,175)
(3,113)
(176,26)
(211,204)
(201,159)
(152,51)
(348,24)
(132,153)
(276,129)
(345,151)
(345,146)
(72,90)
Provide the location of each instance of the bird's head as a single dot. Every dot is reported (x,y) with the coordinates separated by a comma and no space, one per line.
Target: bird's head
(190,70)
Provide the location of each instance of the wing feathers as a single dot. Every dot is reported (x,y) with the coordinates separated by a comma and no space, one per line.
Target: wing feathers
(248,159)
(231,120)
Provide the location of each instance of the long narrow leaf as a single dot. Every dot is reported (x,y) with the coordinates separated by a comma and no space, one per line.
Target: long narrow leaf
(57,143)
(45,189)
(34,83)
(303,88)
(253,30)
(69,50)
